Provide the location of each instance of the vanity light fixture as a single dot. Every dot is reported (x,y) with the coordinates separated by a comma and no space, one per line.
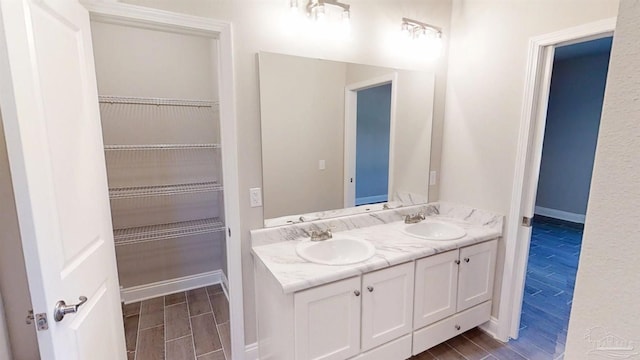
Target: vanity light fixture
(317,8)
(417,29)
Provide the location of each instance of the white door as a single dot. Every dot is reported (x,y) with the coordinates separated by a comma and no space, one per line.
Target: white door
(50,112)
(387,305)
(477,272)
(327,321)
(436,287)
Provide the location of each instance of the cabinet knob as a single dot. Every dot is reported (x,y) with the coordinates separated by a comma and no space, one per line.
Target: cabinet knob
(457,327)
(357,292)
(466,260)
(370,288)
(457,262)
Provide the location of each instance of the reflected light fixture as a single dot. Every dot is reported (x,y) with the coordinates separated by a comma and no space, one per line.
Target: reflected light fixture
(316,9)
(417,29)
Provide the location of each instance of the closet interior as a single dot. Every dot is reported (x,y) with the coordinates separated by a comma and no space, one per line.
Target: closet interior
(161,129)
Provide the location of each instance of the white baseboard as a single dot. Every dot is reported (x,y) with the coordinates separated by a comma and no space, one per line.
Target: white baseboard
(371,199)
(491,328)
(559,214)
(251,352)
(161,288)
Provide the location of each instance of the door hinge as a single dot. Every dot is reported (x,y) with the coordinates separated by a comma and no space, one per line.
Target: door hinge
(30,317)
(527,221)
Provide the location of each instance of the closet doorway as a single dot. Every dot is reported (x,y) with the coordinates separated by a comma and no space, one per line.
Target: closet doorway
(65,228)
(165,92)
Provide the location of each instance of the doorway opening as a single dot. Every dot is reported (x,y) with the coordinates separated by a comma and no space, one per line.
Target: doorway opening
(369,133)
(576,93)
(373,124)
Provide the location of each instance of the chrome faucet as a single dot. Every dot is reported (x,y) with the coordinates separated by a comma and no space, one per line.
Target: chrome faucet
(319,235)
(414,218)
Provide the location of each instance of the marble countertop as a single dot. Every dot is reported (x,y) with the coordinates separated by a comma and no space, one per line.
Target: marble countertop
(392,247)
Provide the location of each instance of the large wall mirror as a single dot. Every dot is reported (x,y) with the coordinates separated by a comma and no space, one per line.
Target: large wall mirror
(337,135)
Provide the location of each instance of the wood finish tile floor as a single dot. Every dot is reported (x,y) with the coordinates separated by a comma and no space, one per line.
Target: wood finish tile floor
(191,325)
(551,275)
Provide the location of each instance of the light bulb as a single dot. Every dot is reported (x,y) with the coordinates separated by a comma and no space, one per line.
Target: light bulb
(319,12)
(346,15)
(405,29)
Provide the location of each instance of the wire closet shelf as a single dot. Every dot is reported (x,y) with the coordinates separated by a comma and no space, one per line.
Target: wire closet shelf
(151,110)
(142,234)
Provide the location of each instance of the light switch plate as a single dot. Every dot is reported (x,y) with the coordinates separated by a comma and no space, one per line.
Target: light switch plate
(322,165)
(255,197)
(433,177)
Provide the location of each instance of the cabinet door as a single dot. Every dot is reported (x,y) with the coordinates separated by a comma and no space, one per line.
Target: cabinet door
(436,286)
(327,321)
(387,304)
(477,270)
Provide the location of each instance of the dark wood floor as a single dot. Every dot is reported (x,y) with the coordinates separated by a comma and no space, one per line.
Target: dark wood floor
(192,325)
(551,276)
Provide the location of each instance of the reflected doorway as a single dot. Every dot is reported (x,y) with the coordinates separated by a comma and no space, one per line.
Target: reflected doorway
(373,124)
(369,134)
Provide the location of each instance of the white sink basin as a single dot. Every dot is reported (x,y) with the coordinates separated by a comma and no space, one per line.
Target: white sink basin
(435,230)
(340,250)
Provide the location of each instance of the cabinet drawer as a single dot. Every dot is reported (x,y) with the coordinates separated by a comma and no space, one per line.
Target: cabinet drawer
(434,334)
(399,349)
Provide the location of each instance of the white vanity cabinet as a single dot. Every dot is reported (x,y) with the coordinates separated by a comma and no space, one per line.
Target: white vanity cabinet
(344,318)
(364,317)
(453,290)
(387,314)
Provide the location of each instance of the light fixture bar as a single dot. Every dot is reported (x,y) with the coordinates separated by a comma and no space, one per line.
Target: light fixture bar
(415,27)
(314,5)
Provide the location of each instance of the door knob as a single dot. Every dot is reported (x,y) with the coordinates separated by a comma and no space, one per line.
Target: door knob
(61,309)
(466,260)
(357,293)
(370,288)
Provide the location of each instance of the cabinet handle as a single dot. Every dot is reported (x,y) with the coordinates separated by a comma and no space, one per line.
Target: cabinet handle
(466,260)
(357,292)
(370,288)
(457,262)
(457,327)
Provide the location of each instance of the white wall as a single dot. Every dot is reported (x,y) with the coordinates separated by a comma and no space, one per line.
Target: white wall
(485,89)
(607,287)
(149,63)
(264,25)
